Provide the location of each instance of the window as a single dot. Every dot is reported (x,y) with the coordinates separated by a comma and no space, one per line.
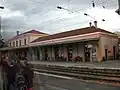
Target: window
(16,43)
(24,41)
(20,42)
(10,44)
(13,44)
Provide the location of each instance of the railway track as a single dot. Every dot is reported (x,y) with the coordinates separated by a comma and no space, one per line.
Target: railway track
(102,75)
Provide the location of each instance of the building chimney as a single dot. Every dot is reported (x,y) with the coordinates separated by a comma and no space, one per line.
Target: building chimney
(90,24)
(18,33)
(95,23)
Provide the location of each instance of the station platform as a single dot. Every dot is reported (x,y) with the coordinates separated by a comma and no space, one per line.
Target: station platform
(112,64)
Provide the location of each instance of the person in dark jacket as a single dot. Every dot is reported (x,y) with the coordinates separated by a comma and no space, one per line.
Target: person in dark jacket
(28,74)
(20,82)
(10,70)
(4,70)
(11,73)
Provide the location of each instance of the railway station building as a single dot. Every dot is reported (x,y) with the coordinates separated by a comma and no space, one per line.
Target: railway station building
(89,44)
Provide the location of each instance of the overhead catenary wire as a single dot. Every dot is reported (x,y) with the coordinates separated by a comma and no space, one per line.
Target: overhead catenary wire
(85,8)
(110,4)
(78,10)
(34,1)
(73,24)
(42,3)
(68,26)
(93,6)
(105,2)
(56,18)
(62,13)
(69,3)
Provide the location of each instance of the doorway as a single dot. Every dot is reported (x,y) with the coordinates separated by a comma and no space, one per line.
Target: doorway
(56,53)
(46,53)
(114,52)
(106,54)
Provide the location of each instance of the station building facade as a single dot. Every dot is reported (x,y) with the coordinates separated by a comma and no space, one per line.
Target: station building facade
(17,43)
(89,44)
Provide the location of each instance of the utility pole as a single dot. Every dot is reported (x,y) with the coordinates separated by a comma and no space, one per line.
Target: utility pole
(118,10)
(1,72)
(0,29)
(1,7)
(1,39)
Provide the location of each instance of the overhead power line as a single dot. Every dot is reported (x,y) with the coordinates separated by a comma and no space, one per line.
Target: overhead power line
(42,3)
(106,1)
(56,18)
(74,24)
(102,3)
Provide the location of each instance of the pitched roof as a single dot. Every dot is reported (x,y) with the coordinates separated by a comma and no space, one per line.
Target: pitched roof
(72,33)
(31,31)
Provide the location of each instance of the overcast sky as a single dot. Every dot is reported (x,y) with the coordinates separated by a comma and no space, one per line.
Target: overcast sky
(43,15)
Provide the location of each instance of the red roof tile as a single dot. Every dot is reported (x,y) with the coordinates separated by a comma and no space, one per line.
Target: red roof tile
(72,33)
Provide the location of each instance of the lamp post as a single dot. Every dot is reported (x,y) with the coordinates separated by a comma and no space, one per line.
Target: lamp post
(1,39)
(1,44)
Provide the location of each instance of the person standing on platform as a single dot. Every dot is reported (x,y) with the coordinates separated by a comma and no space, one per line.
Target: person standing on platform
(28,74)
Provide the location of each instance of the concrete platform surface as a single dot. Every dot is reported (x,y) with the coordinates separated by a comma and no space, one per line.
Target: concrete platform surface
(112,64)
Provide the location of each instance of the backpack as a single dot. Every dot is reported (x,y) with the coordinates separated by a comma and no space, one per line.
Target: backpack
(20,82)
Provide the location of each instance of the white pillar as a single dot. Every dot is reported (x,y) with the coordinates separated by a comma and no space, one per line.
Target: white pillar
(40,53)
